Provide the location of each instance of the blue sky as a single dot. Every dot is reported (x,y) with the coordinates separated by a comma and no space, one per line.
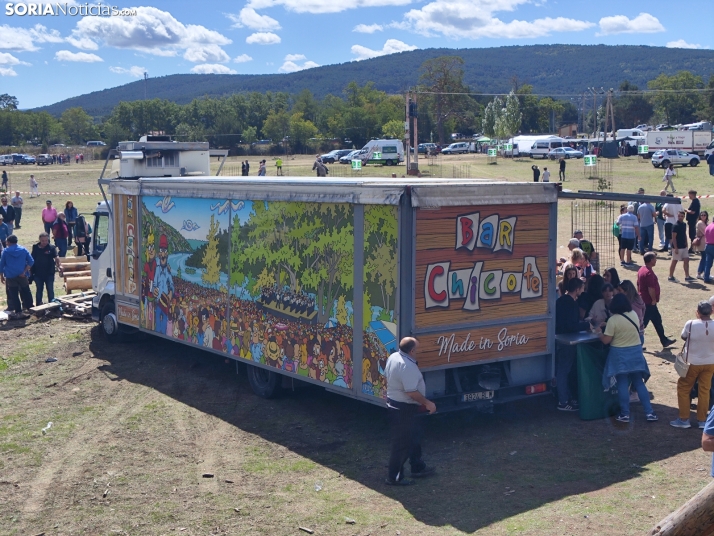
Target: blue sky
(44,59)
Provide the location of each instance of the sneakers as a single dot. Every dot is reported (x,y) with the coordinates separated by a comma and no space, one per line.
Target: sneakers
(680,423)
(651,417)
(668,342)
(690,278)
(623,418)
(568,407)
(672,279)
(400,482)
(427,471)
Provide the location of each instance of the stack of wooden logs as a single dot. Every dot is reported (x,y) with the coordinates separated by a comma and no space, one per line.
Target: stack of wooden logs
(77,273)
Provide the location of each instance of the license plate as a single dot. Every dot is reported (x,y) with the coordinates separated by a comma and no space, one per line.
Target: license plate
(480,395)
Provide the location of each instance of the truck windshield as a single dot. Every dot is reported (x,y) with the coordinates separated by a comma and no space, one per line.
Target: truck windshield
(101,231)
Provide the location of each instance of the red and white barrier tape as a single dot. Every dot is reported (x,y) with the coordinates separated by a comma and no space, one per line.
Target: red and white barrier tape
(697,196)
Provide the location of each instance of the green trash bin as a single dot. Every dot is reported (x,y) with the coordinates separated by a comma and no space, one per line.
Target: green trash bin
(595,403)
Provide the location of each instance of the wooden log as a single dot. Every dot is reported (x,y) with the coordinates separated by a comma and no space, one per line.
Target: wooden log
(78,283)
(72,260)
(693,518)
(81,273)
(76,267)
(45,307)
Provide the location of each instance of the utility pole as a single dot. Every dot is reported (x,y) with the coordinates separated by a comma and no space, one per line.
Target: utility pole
(582,125)
(611,111)
(413,134)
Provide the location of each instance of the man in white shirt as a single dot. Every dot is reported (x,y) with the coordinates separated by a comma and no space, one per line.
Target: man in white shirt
(546,175)
(405,399)
(669,210)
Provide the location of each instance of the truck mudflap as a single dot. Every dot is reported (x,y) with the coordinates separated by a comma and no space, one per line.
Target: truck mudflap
(95,308)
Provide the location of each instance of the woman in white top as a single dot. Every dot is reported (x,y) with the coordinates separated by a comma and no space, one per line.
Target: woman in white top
(668,178)
(699,348)
(600,311)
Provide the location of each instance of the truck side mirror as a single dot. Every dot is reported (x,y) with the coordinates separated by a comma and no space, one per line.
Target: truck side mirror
(109,273)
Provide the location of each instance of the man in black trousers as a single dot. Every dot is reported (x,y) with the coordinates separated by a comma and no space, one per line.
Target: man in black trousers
(405,400)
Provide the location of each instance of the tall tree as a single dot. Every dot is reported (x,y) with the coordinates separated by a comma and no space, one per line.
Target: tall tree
(442,78)
(490,116)
(631,109)
(675,102)
(211,259)
(8,102)
(77,124)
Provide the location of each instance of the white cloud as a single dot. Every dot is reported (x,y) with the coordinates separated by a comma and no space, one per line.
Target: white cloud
(390,47)
(250,18)
(66,55)
(134,70)
(243,58)
(368,28)
(289,66)
(155,32)
(8,59)
(206,53)
(212,68)
(324,6)
(473,19)
(83,43)
(26,39)
(619,24)
(263,38)
(681,43)
(7,71)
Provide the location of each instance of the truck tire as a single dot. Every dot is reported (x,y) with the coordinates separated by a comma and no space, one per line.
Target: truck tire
(665,163)
(265,383)
(389,163)
(108,323)
(694,162)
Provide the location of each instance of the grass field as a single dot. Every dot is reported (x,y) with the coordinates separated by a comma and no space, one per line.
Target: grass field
(137,425)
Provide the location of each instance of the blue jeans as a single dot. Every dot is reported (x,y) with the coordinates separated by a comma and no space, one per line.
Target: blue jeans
(709,252)
(660,232)
(646,238)
(48,226)
(42,282)
(623,392)
(162,320)
(61,244)
(565,359)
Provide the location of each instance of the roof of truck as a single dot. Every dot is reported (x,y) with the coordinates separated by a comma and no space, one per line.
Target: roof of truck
(425,192)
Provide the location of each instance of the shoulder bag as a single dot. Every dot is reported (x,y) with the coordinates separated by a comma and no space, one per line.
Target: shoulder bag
(681,365)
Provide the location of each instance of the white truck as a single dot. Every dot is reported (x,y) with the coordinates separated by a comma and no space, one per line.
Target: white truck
(316,280)
(691,141)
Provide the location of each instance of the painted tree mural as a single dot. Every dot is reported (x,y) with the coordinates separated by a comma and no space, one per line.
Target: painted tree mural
(380,223)
(211,261)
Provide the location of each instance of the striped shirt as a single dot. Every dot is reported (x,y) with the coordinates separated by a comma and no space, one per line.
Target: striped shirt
(627,223)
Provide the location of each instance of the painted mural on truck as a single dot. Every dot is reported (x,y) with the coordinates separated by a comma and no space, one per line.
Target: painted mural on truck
(268,282)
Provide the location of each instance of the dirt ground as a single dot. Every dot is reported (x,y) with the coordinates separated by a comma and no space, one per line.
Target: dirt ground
(136,426)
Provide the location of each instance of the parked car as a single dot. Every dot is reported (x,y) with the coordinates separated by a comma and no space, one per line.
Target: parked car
(348,157)
(28,159)
(334,156)
(59,145)
(6,160)
(44,159)
(564,152)
(95,144)
(457,148)
(673,156)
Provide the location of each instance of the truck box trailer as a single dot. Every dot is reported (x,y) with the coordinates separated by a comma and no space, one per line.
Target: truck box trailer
(692,141)
(318,280)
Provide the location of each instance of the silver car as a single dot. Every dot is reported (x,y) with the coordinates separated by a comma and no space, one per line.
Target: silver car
(666,157)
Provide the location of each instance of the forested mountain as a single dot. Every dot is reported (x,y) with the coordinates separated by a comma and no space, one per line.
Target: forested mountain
(550,69)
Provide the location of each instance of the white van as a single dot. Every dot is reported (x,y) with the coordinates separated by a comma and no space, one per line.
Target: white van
(6,160)
(630,133)
(391,152)
(541,148)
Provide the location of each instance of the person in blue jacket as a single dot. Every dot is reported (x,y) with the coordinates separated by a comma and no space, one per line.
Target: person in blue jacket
(15,264)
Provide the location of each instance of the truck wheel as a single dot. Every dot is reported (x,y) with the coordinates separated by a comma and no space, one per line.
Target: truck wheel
(693,162)
(264,383)
(389,163)
(108,322)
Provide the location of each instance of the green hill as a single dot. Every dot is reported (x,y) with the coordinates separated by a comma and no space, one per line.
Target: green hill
(551,69)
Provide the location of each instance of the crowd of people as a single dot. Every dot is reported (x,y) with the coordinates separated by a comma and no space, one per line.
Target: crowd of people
(20,267)
(619,310)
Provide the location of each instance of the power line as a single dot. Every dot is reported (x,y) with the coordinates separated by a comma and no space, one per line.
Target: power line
(616,93)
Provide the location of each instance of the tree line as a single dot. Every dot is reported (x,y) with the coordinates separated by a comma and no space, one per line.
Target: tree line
(445,103)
